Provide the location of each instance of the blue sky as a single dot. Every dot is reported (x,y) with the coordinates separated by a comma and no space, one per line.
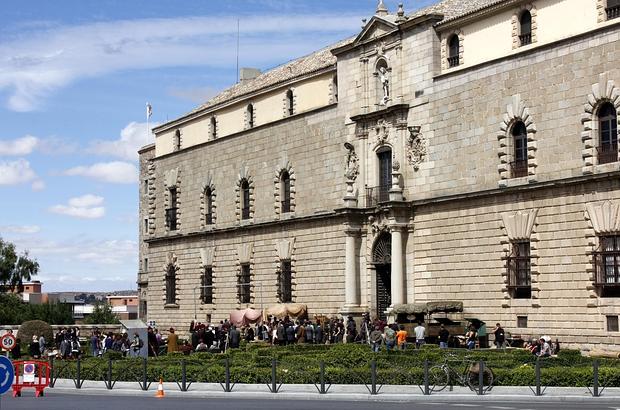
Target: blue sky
(75,78)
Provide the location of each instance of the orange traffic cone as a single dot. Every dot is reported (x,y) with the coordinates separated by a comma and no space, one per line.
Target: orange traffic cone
(160,389)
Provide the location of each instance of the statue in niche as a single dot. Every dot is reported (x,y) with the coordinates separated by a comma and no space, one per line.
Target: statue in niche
(352,170)
(385,83)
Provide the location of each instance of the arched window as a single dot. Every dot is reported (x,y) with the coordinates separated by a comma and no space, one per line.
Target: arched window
(454,49)
(612,9)
(171,285)
(245,199)
(250,115)
(208,206)
(285,191)
(213,130)
(290,106)
(608,134)
(177,140)
(519,140)
(525,24)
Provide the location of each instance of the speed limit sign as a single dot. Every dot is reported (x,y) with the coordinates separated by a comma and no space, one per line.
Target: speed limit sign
(7,342)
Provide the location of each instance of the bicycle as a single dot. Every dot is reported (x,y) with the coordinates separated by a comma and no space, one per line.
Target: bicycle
(466,372)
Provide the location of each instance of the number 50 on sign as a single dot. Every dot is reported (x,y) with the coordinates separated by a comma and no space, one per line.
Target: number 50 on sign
(7,342)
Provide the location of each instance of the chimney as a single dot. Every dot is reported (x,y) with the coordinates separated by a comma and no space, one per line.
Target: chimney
(248,74)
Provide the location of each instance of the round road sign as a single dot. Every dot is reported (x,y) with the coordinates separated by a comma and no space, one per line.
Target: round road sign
(7,374)
(7,342)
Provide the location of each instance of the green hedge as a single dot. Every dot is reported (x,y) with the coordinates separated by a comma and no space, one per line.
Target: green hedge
(347,364)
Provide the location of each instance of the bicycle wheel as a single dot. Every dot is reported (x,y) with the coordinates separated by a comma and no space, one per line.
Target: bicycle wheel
(473,378)
(437,378)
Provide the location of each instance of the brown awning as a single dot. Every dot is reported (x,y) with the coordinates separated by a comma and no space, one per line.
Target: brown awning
(428,307)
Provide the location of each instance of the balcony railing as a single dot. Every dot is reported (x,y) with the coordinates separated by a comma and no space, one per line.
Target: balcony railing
(612,12)
(607,153)
(525,39)
(453,61)
(171,218)
(376,195)
(518,169)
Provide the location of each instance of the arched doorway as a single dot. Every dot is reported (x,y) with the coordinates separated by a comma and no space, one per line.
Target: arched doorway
(382,261)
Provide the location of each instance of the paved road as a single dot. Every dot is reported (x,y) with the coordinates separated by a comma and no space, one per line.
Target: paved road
(59,401)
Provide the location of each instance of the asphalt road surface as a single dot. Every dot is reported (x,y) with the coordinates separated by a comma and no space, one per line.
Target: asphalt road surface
(54,401)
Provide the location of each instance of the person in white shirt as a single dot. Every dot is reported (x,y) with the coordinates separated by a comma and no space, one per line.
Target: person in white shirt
(419,331)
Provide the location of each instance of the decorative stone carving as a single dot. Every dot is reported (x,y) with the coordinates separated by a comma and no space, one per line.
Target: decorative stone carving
(171,261)
(416,148)
(604,91)
(207,256)
(244,252)
(382,131)
(284,247)
(516,111)
(604,216)
(152,209)
(171,177)
(352,162)
(385,83)
(519,224)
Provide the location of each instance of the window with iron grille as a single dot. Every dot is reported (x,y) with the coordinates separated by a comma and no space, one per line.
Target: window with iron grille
(607,266)
(612,9)
(208,206)
(518,167)
(171,285)
(250,115)
(243,284)
(525,23)
(612,323)
(285,190)
(213,128)
(206,285)
(171,212)
(454,49)
(519,271)
(285,294)
(608,134)
(245,199)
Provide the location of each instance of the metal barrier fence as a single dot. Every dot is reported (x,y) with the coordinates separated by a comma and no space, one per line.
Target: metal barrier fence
(145,373)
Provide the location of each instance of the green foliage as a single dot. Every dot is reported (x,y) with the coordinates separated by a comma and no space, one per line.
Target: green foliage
(13,311)
(350,364)
(35,327)
(14,268)
(102,315)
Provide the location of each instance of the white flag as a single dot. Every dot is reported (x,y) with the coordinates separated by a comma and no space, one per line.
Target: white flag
(149,110)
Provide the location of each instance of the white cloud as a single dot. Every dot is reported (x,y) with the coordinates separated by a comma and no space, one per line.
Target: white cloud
(16,172)
(35,64)
(20,146)
(133,137)
(22,229)
(83,207)
(38,185)
(196,95)
(115,172)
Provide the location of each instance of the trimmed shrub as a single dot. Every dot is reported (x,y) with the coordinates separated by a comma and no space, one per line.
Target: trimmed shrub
(38,328)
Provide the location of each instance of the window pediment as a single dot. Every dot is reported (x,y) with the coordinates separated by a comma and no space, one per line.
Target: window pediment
(374,29)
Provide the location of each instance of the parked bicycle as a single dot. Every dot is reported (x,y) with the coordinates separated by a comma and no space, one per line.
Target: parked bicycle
(465,371)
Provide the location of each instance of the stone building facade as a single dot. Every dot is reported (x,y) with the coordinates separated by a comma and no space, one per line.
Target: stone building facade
(464,152)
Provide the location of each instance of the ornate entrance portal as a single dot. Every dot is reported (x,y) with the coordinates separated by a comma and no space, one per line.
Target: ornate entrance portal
(381,259)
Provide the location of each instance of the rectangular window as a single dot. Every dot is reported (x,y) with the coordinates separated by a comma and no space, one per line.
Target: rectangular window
(171,212)
(145,264)
(612,323)
(146,225)
(519,271)
(284,282)
(286,198)
(206,289)
(146,187)
(607,266)
(521,321)
(243,284)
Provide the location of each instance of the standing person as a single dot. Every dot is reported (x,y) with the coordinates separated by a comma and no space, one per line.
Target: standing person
(470,337)
(351,330)
(318,333)
(375,338)
(309,331)
(173,341)
(420,331)
(94,344)
(390,338)
(500,336)
(42,345)
(33,349)
(401,338)
(152,342)
(444,335)
(234,336)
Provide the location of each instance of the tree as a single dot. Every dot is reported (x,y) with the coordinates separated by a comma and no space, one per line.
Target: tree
(14,268)
(102,315)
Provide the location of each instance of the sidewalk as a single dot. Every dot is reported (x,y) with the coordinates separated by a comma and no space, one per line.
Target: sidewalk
(337,392)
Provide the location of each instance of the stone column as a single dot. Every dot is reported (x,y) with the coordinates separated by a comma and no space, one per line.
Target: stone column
(351,275)
(398,276)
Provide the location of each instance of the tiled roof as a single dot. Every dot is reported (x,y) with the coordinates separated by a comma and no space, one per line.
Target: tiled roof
(450,9)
